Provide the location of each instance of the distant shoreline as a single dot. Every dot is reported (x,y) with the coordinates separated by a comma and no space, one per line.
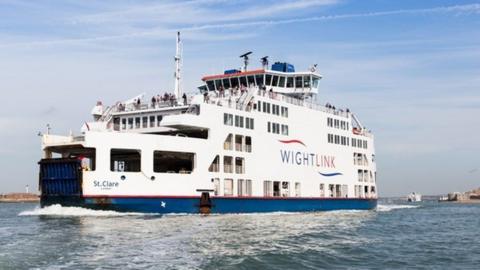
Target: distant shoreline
(19,197)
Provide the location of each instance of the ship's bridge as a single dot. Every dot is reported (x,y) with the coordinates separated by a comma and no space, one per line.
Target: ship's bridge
(281,78)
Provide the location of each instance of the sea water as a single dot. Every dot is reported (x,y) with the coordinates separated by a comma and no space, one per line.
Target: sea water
(397,235)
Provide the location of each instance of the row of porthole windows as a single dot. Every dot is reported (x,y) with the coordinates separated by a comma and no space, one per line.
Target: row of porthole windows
(263,106)
(342,140)
(137,122)
(336,123)
(277,128)
(240,121)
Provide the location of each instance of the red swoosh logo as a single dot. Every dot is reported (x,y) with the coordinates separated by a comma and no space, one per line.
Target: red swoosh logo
(292,141)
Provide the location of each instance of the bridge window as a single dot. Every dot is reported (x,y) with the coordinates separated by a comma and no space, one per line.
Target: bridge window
(306,81)
(268,79)
(289,82)
(234,82)
(275,80)
(124,123)
(298,82)
(226,83)
(173,162)
(243,80)
(259,79)
(251,80)
(218,84)
(315,82)
(228,187)
(281,82)
(124,160)
(210,85)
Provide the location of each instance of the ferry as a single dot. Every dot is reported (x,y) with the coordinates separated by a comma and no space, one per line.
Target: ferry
(248,140)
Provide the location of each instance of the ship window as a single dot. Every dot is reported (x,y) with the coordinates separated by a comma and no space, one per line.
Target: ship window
(285,192)
(251,81)
(269,127)
(315,82)
(285,111)
(210,85)
(239,121)
(216,186)
(173,162)
(218,83)
(159,119)
(248,144)
(365,144)
(284,130)
(124,123)
(238,142)
(144,122)
(306,81)
(228,187)
(354,142)
(215,165)
(267,188)
(228,145)
(264,107)
(298,82)
(268,107)
(249,123)
(337,139)
(331,189)
(116,123)
(228,119)
(227,164)
(276,188)
(289,82)
(124,160)
(281,82)
(226,83)
(259,106)
(298,189)
(130,123)
(137,122)
(234,82)
(244,187)
(152,121)
(239,165)
(275,80)
(322,190)
(259,79)
(268,79)
(243,80)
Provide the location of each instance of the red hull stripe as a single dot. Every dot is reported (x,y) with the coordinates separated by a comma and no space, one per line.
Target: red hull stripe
(219,197)
(292,141)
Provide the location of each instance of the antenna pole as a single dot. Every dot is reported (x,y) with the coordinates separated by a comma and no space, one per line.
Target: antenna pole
(178,58)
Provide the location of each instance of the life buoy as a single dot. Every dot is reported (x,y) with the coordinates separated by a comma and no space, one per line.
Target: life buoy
(356,131)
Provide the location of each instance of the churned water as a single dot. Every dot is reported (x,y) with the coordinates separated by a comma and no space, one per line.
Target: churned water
(429,235)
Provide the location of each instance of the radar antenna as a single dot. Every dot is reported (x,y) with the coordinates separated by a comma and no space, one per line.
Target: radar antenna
(313,68)
(245,60)
(264,61)
(178,63)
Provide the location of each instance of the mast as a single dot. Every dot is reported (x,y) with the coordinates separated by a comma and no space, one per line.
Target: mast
(178,58)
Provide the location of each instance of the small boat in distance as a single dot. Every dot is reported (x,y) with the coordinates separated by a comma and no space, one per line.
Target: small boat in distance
(414,197)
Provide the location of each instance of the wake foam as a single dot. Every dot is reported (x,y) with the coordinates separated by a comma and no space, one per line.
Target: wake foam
(390,207)
(58,210)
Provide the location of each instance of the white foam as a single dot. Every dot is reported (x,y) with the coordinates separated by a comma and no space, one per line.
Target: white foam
(58,210)
(390,207)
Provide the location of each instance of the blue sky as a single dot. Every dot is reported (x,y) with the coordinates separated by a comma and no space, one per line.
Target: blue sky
(409,69)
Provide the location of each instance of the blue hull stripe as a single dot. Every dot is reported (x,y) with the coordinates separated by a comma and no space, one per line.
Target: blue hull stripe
(220,204)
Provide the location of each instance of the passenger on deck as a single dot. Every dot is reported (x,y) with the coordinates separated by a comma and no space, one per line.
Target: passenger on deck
(205,97)
(270,93)
(172,100)
(221,91)
(154,101)
(184,97)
